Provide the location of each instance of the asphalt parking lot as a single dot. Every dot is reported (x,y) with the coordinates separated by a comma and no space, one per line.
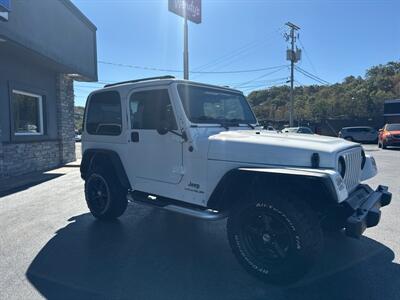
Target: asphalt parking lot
(51,247)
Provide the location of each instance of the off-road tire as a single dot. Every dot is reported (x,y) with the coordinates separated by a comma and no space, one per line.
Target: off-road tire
(301,227)
(113,201)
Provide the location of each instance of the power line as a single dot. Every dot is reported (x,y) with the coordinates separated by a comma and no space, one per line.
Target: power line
(259,77)
(226,56)
(231,59)
(312,76)
(307,56)
(138,67)
(193,72)
(298,82)
(235,53)
(265,87)
(264,83)
(259,82)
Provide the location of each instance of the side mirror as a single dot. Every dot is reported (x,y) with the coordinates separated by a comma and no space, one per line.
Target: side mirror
(163,128)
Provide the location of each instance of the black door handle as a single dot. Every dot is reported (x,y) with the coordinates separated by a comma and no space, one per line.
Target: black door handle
(135,137)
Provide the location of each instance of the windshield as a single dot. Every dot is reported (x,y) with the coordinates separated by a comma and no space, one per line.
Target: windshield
(305,130)
(393,127)
(291,129)
(211,105)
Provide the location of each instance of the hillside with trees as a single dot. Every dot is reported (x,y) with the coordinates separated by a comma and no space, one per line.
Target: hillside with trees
(355,97)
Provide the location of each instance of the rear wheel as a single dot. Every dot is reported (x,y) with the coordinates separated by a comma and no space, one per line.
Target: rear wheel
(105,196)
(276,240)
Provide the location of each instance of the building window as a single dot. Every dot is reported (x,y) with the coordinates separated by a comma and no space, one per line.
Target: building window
(28,113)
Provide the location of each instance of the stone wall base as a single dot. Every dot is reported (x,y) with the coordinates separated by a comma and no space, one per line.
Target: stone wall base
(23,158)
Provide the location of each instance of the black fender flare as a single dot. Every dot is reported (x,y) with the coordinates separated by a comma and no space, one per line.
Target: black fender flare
(234,181)
(109,158)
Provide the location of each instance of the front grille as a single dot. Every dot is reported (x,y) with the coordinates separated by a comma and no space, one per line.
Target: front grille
(353,160)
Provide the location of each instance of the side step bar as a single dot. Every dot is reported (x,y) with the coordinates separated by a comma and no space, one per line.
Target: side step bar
(176,206)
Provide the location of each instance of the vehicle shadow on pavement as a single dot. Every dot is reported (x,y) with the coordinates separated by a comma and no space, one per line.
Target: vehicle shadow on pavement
(18,184)
(152,254)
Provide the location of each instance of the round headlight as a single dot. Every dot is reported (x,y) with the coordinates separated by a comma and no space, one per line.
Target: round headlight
(342,166)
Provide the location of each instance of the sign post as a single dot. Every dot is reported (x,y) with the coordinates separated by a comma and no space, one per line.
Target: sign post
(189,10)
(186,51)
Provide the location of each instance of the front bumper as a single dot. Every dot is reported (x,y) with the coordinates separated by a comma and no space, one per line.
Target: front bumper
(392,143)
(364,207)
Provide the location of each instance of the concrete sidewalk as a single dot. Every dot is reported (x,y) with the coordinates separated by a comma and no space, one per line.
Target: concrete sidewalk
(23,182)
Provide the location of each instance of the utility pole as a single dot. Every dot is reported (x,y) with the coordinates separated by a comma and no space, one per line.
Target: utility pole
(293,56)
(185,51)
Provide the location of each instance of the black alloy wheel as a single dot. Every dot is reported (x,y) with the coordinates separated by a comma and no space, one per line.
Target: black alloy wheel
(98,194)
(106,198)
(276,239)
(266,237)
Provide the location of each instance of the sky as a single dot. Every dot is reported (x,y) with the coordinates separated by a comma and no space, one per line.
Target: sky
(337,38)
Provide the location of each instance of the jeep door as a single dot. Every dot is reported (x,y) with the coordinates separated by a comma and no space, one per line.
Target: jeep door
(153,156)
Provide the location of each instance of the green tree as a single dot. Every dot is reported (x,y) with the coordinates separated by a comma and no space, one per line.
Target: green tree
(354,97)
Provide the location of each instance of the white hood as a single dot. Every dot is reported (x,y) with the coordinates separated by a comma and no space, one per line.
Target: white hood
(271,148)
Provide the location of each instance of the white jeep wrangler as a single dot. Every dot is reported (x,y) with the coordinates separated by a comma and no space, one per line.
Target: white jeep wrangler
(197,149)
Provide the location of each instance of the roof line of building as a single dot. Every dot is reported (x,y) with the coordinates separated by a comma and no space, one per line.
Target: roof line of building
(78,13)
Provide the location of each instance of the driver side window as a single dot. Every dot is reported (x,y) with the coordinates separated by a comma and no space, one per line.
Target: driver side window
(151,109)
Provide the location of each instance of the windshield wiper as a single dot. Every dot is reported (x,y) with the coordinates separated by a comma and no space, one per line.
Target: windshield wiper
(238,121)
(251,126)
(212,120)
(226,123)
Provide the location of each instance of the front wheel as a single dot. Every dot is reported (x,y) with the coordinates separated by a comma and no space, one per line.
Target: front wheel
(105,196)
(277,240)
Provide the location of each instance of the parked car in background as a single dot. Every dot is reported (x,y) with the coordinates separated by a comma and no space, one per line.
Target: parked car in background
(389,135)
(359,134)
(305,130)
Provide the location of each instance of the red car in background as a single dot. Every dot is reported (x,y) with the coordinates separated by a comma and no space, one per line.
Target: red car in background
(389,136)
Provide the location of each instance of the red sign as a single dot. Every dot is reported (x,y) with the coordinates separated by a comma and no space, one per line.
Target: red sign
(189,8)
